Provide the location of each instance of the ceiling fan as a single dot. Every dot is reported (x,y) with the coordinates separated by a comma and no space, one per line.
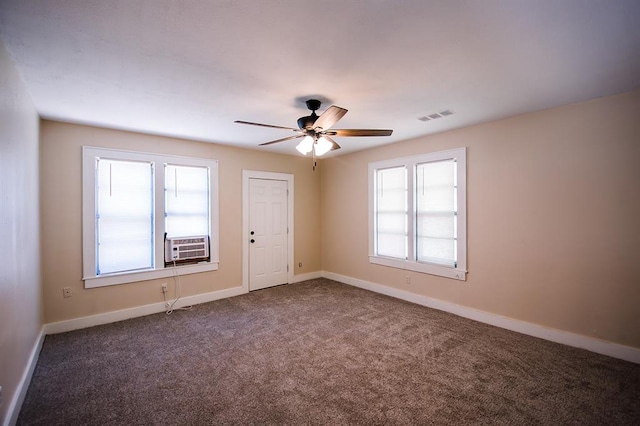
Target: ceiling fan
(316,130)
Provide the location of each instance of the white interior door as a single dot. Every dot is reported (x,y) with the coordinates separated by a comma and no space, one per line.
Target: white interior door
(268,248)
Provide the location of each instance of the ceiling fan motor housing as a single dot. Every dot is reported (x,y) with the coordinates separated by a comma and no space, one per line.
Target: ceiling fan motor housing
(307,122)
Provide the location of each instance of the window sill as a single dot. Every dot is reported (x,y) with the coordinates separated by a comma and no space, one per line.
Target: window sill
(130,277)
(443,271)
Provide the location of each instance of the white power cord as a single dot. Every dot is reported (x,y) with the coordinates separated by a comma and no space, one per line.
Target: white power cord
(177,293)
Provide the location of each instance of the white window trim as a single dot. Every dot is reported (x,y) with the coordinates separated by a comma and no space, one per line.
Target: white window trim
(460,271)
(88,217)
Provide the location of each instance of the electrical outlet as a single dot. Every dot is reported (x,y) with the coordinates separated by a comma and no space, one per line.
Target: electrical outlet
(407,279)
(164,288)
(299,264)
(66,292)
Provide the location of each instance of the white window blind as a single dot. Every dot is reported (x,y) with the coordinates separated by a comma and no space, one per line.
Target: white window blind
(124,216)
(436,210)
(187,201)
(391,212)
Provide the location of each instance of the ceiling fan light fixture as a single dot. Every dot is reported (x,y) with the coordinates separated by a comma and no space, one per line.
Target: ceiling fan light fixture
(322,146)
(305,146)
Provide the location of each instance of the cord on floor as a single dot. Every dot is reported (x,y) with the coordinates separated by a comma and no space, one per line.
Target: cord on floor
(177,292)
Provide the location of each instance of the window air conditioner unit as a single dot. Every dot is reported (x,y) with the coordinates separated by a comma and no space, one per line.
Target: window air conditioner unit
(189,249)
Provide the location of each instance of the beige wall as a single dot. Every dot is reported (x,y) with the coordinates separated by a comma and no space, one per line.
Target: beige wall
(61,184)
(20,294)
(553,218)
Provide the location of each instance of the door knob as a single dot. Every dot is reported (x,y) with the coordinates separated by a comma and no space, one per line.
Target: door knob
(253,241)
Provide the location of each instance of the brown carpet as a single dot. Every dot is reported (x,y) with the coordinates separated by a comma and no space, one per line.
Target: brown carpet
(321,352)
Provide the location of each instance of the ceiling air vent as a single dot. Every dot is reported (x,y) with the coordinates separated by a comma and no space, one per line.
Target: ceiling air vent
(436,115)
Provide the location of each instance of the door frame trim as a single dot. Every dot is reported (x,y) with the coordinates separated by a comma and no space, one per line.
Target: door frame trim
(256,174)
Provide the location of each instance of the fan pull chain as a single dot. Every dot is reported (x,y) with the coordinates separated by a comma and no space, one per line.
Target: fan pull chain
(315,163)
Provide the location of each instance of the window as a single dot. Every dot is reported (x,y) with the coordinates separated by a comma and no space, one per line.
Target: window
(124,216)
(186,200)
(132,201)
(391,212)
(417,217)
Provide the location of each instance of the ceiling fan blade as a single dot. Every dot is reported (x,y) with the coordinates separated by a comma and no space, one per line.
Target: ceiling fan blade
(334,143)
(282,140)
(266,125)
(329,117)
(360,132)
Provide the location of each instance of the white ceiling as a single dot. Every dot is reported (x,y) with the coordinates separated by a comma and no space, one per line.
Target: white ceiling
(189,68)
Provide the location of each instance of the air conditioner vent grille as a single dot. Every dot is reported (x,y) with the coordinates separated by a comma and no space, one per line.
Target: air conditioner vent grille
(190,247)
(191,254)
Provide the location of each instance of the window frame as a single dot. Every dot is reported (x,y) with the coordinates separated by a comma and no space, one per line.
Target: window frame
(91,280)
(459,272)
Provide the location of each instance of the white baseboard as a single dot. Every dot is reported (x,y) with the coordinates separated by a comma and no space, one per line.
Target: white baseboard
(305,277)
(21,391)
(603,347)
(123,314)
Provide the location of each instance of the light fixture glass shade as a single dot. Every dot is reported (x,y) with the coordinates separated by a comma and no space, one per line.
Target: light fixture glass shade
(305,146)
(322,146)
